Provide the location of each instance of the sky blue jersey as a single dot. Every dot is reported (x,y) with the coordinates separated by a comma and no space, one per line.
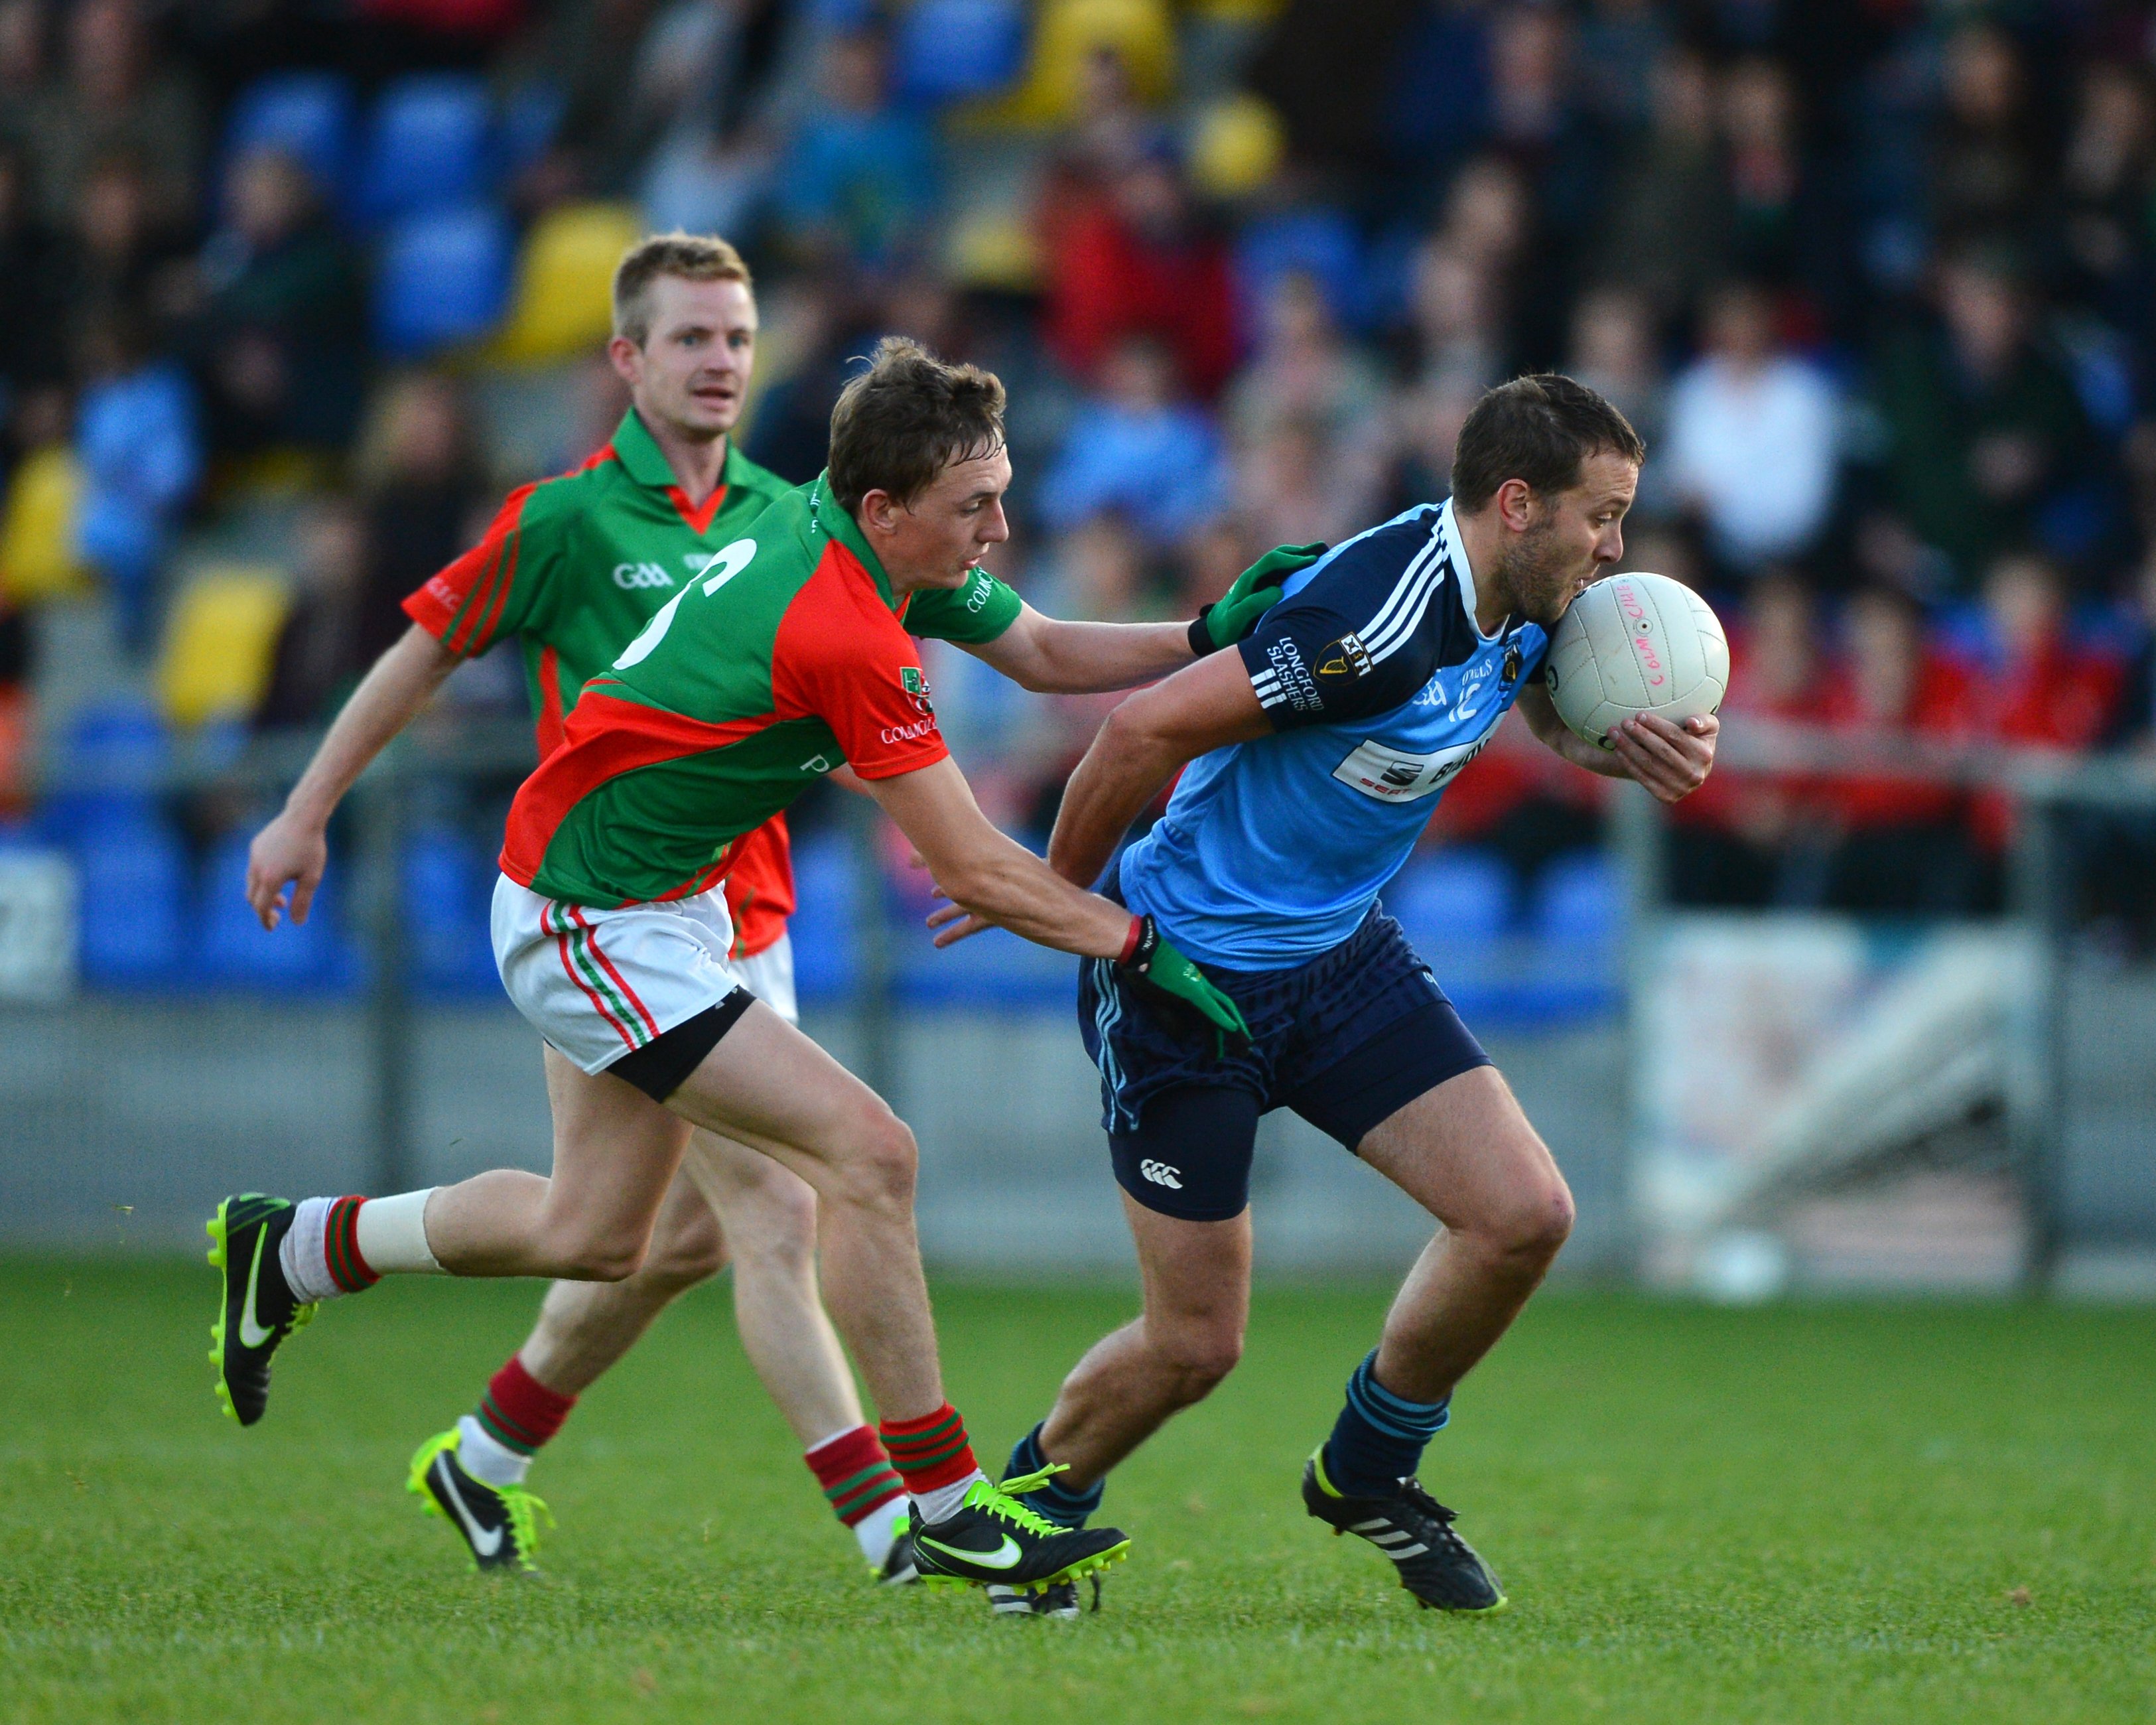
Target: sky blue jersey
(1380,688)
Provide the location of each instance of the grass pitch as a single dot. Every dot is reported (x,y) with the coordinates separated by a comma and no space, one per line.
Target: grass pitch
(1810,1513)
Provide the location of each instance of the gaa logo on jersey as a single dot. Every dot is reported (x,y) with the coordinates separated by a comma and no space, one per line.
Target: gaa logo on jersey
(915,685)
(631,577)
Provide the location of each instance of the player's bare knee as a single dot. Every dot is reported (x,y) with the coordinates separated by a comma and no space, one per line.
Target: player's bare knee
(597,1253)
(689,1255)
(1535,1226)
(881,1162)
(1199,1354)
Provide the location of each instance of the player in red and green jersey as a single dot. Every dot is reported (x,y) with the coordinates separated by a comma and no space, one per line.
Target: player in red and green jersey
(624,971)
(572,567)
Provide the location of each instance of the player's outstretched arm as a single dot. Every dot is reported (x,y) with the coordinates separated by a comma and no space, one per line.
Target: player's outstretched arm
(1055,658)
(293,850)
(1140,747)
(1671,760)
(990,876)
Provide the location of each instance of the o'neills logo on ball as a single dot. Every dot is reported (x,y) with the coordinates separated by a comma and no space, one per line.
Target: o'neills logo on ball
(1642,632)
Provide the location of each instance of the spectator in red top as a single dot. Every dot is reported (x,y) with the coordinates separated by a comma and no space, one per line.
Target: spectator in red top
(1898,844)
(1141,263)
(2040,690)
(1733,833)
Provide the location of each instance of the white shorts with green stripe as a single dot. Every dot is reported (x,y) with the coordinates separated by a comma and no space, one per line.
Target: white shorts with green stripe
(599,984)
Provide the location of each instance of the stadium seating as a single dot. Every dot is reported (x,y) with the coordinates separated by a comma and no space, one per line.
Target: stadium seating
(1452,898)
(133,875)
(1067,32)
(1581,901)
(219,640)
(234,951)
(444,279)
(113,754)
(825,925)
(1319,243)
(563,302)
(951,50)
(446,880)
(310,116)
(429,146)
(37,557)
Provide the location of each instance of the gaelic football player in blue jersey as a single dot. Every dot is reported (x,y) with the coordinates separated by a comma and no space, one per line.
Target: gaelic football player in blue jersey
(1312,757)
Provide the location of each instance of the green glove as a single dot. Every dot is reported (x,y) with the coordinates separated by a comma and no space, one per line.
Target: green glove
(1165,970)
(1255,592)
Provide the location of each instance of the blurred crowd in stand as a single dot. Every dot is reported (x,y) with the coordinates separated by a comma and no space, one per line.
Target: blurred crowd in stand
(291,292)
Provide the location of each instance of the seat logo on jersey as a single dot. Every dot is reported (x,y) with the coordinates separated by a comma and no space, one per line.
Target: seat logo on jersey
(1392,775)
(1346,657)
(1161,1174)
(629,577)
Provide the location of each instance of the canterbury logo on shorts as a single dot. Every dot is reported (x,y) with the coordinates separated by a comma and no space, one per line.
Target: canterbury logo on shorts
(1161,1174)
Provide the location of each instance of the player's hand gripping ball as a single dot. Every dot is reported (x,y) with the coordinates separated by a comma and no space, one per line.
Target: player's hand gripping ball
(1636,644)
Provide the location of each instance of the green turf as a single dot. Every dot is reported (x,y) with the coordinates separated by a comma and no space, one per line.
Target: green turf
(1815,1513)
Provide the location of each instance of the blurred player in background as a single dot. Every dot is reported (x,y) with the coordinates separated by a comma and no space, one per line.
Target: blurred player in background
(1314,754)
(783,658)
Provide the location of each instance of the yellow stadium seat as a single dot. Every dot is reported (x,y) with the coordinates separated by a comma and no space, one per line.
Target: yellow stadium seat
(218,643)
(1067,32)
(563,304)
(1237,146)
(37,560)
(1239,12)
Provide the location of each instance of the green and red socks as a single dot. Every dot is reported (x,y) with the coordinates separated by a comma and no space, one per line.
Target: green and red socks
(935,1458)
(862,1487)
(514,1420)
(341,1245)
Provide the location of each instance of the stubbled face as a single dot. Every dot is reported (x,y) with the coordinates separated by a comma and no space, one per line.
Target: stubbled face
(1576,538)
(939,538)
(691,375)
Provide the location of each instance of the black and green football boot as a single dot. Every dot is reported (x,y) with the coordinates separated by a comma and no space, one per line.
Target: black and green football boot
(258,1310)
(498,1524)
(1058,1600)
(995,1536)
(1415,1530)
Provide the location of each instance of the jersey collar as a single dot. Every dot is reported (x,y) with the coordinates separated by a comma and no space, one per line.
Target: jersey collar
(1456,553)
(642,460)
(838,524)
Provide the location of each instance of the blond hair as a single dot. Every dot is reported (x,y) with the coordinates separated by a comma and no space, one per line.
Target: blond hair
(691,257)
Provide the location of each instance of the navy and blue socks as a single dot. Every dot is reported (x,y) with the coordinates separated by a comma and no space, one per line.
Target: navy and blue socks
(1379,1437)
(1058,1502)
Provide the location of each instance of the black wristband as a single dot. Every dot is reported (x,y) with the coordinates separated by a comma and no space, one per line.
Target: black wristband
(1148,942)
(1201,638)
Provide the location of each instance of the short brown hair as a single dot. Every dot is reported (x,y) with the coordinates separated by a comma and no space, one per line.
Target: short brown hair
(907,417)
(692,257)
(1538,428)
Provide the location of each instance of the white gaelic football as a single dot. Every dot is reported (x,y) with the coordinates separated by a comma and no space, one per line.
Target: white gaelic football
(1636,644)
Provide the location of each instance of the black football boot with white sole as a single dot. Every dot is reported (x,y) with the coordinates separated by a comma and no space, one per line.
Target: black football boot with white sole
(1415,1530)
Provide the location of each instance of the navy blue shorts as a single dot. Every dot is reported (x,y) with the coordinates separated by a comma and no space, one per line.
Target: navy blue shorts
(1345,1040)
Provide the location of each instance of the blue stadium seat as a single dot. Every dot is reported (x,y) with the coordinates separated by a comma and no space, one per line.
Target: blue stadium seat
(234,951)
(429,147)
(1320,243)
(134,881)
(443,278)
(1451,897)
(114,754)
(448,878)
(1581,901)
(308,115)
(826,964)
(951,50)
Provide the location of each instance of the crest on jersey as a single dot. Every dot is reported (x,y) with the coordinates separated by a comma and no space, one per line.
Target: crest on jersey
(1346,657)
(1512,669)
(915,685)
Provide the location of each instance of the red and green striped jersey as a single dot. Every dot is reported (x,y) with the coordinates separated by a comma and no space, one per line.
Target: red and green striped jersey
(788,656)
(573,566)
